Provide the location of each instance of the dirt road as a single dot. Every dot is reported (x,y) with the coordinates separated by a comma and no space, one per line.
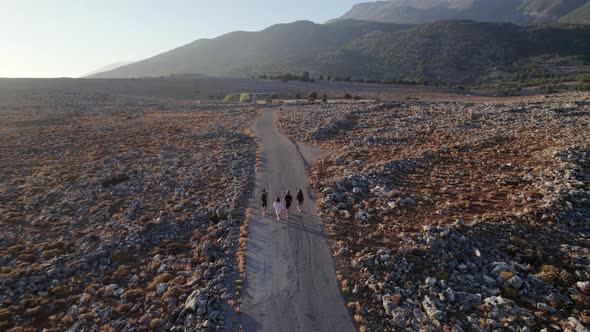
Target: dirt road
(290,278)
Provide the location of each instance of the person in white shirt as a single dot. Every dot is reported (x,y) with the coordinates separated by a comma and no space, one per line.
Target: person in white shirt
(279,207)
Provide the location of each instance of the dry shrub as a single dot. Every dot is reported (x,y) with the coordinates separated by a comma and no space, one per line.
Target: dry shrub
(51,253)
(548,273)
(155,323)
(397,299)
(174,249)
(506,275)
(121,256)
(133,294)
(123,309)
(5,314)
(354,306)
(174,292)
(122,271)
(61,291)
(29,258)
(16,329)
(15,220)
(161,278)
(510,293)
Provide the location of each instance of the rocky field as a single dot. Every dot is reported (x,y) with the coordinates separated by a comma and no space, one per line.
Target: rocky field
(449,216)
(120,213)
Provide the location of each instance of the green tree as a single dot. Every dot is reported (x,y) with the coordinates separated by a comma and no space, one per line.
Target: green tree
(305,77)
(230,99)
(245,98)
(548,89)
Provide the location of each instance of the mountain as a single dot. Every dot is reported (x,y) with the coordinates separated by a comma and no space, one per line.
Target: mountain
(107,68)
(240,53)
(427,11)
(452,51)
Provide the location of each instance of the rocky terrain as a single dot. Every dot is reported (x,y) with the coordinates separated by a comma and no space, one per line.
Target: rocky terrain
(452,216)
(120,213)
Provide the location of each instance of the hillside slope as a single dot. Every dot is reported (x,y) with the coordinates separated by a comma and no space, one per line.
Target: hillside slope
(446,51)
(108,67)
(239,53)
(579,16)
(451,51)
(426,11)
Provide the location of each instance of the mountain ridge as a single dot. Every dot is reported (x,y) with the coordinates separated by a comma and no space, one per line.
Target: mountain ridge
(451,51)
(428,11)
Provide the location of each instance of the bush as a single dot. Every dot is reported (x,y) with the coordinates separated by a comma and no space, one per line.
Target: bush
(548,89)
(305,77)
(313,95)
(357,98)
(348,96)
(584,87)
(230,99)
(121,256)
(325,98)
(245,98)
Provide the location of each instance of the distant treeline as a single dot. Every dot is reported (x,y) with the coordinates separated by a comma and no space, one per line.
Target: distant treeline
(306,77)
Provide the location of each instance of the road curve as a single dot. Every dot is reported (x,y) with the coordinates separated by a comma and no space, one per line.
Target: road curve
(290,278)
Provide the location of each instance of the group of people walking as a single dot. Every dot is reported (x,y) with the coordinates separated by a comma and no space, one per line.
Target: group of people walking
(278,206)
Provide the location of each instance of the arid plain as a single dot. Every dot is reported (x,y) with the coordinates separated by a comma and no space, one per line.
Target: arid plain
(124,206)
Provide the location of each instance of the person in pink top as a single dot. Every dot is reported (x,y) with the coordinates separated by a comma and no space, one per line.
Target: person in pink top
(279,207)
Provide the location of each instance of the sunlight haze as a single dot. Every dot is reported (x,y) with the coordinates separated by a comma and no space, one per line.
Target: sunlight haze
(69,38)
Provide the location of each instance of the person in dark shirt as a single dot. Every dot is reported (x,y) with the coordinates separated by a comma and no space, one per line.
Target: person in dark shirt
(299,200)
(288,200)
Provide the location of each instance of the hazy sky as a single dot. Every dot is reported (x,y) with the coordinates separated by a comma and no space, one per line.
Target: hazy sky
(54,38)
